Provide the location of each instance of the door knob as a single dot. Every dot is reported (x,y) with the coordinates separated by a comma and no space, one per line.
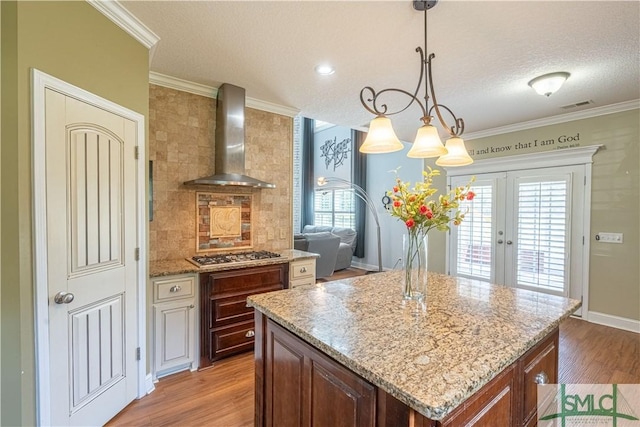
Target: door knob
(509,242)
(63,297)
(500,241)
(250,334)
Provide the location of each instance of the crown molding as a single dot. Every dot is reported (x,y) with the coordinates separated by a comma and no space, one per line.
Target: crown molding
(128,22)
(212,92)
(563,118)
(544,159)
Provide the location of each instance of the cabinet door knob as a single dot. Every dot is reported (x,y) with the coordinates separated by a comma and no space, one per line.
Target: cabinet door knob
(250,334)
(192,306)
(175,288)
(303,270)
(509,242)
(541,378)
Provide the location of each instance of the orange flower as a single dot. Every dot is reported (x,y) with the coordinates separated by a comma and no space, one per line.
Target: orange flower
(410,223)
(397,203)
(412,198)
(396,189)
(471,195)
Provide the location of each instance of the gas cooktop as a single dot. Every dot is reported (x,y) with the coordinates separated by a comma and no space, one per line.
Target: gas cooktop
(224,258)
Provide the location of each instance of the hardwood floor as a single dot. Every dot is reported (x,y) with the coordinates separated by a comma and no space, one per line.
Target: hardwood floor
(343,274)
(222,396)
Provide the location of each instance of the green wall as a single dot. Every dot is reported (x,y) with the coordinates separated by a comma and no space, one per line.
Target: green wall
(614,279)
(73,42)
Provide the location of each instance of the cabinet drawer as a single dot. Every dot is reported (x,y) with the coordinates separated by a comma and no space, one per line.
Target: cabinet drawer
(245,281)
(302,269)
(230,340)
(173,288)
(230,310)
(302,282)
(541,362)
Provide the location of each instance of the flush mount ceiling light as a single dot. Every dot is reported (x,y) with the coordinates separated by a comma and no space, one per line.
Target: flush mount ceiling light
(549,83)
(382,138)
(325,69)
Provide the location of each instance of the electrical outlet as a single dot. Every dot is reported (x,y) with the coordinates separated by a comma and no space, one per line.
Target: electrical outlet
(609,237)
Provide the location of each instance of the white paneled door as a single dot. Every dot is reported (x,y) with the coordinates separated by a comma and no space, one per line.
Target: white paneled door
(523,229)
(92,271)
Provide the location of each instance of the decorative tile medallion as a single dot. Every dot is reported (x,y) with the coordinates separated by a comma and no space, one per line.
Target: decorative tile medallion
(223,221)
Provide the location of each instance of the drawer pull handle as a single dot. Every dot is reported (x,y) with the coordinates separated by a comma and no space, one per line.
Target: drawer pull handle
(175,288)
(541,378)
(192,306)
(303,270)
(250,334)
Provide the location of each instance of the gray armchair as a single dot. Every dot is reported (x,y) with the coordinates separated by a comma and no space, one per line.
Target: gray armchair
(324,244)
(347,242)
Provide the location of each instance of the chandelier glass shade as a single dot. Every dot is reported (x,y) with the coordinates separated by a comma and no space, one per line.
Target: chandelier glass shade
(427,143)
(382,138)
(456,154)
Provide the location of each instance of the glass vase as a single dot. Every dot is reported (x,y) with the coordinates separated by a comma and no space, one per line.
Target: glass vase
(414,263)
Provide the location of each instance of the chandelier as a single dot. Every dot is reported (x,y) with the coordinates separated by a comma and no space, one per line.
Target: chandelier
(381,137)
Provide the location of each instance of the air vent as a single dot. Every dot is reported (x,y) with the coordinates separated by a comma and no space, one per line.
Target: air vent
(577,104)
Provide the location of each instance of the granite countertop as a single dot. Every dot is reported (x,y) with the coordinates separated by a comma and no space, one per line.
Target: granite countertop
(182,266)
(431,360)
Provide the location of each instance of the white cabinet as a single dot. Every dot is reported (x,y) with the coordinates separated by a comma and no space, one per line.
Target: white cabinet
(302,272)
(174,324)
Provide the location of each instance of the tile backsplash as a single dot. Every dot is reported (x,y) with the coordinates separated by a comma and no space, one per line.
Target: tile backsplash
(181,146)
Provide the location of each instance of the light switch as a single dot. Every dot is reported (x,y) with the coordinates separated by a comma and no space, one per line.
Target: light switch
(609,237)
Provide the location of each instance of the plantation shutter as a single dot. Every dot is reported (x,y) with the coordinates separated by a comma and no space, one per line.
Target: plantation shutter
(542,231)
(474,251)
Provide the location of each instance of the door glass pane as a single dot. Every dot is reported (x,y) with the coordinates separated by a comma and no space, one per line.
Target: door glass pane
(474,252)
(542,235)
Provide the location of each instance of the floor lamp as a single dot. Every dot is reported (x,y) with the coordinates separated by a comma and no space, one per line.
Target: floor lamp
(358,191)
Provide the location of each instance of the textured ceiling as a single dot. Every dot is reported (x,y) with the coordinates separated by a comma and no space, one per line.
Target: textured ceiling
(486,52)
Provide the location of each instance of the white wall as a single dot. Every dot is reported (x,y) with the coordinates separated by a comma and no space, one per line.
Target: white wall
(380,179)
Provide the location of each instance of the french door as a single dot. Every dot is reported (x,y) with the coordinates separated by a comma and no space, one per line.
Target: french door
(523,229)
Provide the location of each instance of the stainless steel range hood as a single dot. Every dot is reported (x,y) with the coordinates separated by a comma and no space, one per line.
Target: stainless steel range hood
(229,142)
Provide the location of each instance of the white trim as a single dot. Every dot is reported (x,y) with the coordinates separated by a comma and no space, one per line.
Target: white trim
(212,92)
(128,22)
(41,82)
(615,321)
(149,385)
(545,159)
(554,120)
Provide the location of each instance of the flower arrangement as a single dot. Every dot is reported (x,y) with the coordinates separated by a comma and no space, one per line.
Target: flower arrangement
(421,211)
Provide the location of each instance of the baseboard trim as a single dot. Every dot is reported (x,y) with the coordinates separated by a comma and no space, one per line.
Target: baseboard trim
(364,266)
(614,321)
(149,383)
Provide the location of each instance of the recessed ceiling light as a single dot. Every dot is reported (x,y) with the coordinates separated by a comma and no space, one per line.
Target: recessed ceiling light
(325,70)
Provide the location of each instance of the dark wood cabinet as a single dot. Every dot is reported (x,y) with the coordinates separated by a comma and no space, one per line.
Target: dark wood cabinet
(226,323)
(538,365)
(494,405)
(297,385)
(306,388)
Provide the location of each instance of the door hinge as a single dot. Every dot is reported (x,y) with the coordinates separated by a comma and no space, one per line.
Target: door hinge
(585,180)
(136,254)
(583,240)
(138,353)
(136,152)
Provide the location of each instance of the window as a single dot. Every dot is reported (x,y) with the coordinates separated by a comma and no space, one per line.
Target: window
(335,208)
